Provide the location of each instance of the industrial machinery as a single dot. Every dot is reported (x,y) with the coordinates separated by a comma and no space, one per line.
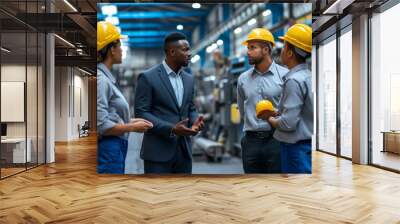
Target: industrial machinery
(217,101)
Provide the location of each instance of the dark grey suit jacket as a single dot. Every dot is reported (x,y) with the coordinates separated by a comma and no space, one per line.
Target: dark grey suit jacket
(155,101)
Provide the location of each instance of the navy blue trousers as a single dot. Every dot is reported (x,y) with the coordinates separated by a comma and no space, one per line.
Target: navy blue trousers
(111,154)
(296,158)
(181,162)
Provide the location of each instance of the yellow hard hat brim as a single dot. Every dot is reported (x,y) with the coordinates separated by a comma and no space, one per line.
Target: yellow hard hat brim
(259,113)
(304,48)
(245,42)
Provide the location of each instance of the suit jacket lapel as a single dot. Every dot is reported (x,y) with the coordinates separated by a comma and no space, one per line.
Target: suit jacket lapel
(165,80)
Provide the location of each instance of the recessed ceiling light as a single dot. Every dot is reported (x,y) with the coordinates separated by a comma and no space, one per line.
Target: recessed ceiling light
(251,22)
(237,30)
(196,5)
(266,12)
(109,10)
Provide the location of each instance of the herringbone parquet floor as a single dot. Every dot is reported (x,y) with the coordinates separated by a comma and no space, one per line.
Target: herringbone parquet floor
(70,191)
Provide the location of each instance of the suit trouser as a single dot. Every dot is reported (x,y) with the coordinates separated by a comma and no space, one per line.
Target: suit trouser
(181,162)
(111,154)
(296,158)
(260,153)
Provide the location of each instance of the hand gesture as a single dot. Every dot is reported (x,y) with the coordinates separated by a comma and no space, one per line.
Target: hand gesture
(198,125)
(181,129)
(140,125)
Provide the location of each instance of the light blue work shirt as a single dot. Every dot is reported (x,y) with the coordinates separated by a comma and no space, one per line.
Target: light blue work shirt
(296,121)
(112,107)
(176,82)
(254,86)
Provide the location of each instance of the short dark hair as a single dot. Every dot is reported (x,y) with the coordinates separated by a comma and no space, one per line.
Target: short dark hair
(299,58)
(102,54)
(172,38)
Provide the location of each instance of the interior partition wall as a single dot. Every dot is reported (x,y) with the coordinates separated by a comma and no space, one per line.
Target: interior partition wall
(22,89)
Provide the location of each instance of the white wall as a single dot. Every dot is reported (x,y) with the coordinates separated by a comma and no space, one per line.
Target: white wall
(33,127)
(17,73)
(71,94)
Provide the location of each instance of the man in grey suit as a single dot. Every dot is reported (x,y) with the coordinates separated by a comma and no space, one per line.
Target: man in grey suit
(164,96)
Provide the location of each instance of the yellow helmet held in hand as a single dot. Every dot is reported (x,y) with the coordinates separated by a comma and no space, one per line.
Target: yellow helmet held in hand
(260,34)
(107,33)
(264,105)
(300,36)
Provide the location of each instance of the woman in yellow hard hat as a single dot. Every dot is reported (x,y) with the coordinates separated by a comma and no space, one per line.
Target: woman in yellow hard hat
(113,117)
(294,125)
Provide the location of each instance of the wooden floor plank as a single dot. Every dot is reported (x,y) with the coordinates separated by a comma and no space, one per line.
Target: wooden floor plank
(70,191)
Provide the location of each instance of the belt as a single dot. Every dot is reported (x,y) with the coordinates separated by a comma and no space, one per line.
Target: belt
(260,134)
(306,141)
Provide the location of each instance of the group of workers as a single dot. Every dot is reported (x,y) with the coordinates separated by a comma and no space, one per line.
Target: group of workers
(275,141)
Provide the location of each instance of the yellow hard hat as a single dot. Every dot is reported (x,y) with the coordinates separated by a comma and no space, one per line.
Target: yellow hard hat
(107,33)
(260,34)
(264,105)
(300,36)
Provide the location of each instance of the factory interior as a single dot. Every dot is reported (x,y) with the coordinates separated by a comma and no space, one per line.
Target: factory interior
(218,59)
(49,85)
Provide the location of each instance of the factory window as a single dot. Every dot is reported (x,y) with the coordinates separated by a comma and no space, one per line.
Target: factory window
(346,92)
(385,89)
(327,96)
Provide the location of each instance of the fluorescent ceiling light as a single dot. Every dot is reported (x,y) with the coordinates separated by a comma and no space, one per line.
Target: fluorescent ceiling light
(86,72)
(338,6)
(109,10)
(266,12)
(251,22)
(237,30)
(113,20)
(5,50)
(195,58)
(179,27)
(196,5)
(64,40)
(211,48)
(70,5)
(220,42)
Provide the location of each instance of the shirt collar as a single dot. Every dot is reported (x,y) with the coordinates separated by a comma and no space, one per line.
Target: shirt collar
(169,70)
(106,72)
(270,69)
(297,68)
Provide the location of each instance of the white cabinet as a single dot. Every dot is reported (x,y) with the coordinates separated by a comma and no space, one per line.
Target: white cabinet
(17,147)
